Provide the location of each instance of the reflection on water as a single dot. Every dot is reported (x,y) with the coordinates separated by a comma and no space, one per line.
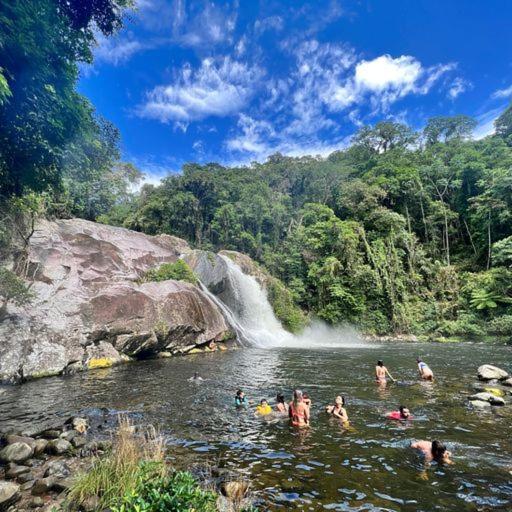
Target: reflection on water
(361,467)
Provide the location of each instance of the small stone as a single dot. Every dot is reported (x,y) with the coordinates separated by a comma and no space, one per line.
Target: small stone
(36,502)
(26,477)
(507,382)
(57,468)
(489,372)
(9,494)
(16,452)
(79,424)
(58,446)
(63,484)
(79,441)
(235,490)
(480,404)
(43,485)
(488,397)
(51,434)
(14,471)
(40,446)
(68,435)
(27,486)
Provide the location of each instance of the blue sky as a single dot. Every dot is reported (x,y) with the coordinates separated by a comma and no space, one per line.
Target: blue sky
(234,82)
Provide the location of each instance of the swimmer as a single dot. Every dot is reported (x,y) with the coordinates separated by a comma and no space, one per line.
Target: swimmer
(307,400)
(298,411)
(281,406)
(196,378)
(338,409)
(424,370)
(380,373)
(433,451)
(240,399)
(263,409)
(403,413)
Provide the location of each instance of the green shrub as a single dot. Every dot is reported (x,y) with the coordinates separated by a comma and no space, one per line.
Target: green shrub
(466,324)
(501,325)
(285,309)
(179,271)
(12,289)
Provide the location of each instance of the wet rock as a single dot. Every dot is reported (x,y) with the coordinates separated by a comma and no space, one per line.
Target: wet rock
(12,438)
(9,494)
(27,485)
(495,391)
(507,382)
(480,404)
(80,425)
(40,446)
(16,452)
(487,397)
(26,477)
(79,441)
(51,433)
(489,372)
(58,469)
(235,490)
(43,485)
(15,471)
(68,435)
(36,502)
(59,446)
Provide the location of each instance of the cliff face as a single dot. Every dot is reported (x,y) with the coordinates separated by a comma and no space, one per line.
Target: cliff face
(90,311)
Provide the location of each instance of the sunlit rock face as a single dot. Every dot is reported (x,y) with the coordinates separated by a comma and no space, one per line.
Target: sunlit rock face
(92,311)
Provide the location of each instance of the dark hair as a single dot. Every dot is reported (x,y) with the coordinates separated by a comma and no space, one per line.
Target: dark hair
(418,360)
(239,392)
(438,450)
(305,394)
(380,363)
(280,398)
(263,400)
(401,408)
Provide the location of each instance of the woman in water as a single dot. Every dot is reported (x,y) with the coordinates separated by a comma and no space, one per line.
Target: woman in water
(403,413)
(424,370)
(281,406)
(433,451)
(298,411)
(263,409)
(380,373)
(338,409)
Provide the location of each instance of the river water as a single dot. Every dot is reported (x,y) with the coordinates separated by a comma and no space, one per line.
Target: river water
(366,467)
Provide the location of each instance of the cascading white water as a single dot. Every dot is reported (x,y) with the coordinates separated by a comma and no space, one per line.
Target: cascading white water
(247,309)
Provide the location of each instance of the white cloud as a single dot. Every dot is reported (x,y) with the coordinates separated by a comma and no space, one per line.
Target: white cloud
(459,86)
(485,125)
(502,93)
(217,88)
(117,50)
(270,23)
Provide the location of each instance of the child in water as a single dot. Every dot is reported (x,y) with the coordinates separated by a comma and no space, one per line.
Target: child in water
(240,399)
(263,409)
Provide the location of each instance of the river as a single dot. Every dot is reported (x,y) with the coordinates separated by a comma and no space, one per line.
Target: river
(366,467)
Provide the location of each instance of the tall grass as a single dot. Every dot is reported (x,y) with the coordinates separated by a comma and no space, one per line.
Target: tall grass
(115,474)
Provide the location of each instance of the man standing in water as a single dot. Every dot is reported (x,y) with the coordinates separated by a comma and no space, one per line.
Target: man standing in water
(425,372)
(380,373)
(298,411)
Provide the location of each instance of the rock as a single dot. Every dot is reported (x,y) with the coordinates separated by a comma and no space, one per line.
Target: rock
(36,502)
(235,490)
(507,382)
(489,372)
(26,477)
(79,425)
(51,433)
(27,485)
(91,504)
(11,439)
(79,441)
(40,446)
(9,494)
(495,391)
(63,484)
(16,452)
(57,468)
(59,446)
(480,404)
(43,485)
(15,471)
(488,397)
(68,435)
(90,309)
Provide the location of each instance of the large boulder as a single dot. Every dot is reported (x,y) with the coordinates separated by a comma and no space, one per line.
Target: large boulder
(9,494)
(487,397)
(489,372)
(16,452)
(91,309)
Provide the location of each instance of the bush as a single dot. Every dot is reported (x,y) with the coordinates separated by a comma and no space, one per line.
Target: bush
(179,271)
(466,324)
(12,289)
(501,325)
(285,309)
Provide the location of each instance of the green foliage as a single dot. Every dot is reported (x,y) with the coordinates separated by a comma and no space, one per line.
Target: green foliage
(501,325)
(502,252)
(178,492)
(12,289)
(288,313)
(179,271)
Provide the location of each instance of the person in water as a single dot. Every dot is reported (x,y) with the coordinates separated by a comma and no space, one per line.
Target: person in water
(281,405)
(307,400)
(298,411)
(424,370)
(433,451)
(338,409)
(403,413)
(240,399)
(381,372)
(196,377)
(263,409)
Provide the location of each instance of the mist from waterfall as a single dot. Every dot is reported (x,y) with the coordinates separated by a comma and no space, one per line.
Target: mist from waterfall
(247,309)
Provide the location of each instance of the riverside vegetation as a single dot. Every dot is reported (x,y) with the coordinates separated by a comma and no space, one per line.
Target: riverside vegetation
(403,232)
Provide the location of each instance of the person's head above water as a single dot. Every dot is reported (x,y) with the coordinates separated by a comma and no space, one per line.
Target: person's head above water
(280,398)
(419,360)
(297,395)
(340,401)
(404,411)
(380,363)
(439,452)
(240,394)
(263,402)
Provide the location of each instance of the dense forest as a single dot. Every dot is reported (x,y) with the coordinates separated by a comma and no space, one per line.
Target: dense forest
(403,232)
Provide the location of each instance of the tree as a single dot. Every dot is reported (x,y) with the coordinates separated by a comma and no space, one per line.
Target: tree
(385,136)
(447,128)
(503,125)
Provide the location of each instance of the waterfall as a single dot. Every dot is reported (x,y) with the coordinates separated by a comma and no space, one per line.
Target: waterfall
(246,308)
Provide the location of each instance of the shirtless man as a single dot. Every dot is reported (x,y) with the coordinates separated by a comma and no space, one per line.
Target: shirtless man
(433,451)
(298,411)
(424,370)
(380,373)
